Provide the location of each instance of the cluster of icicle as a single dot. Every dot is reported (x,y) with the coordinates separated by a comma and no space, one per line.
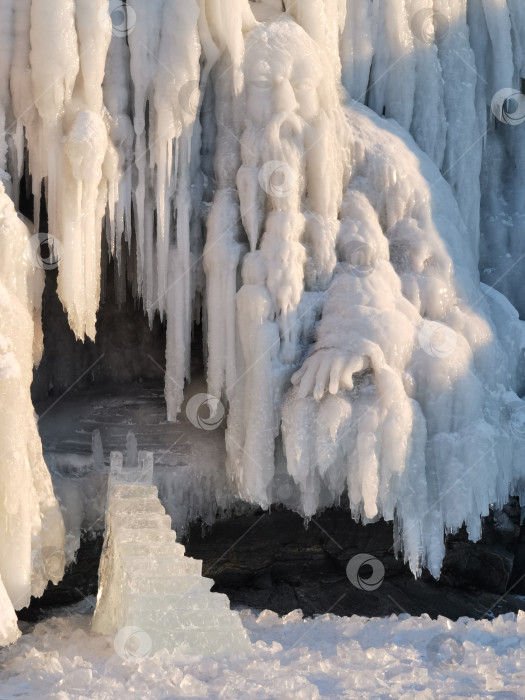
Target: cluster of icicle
(31,528)
(319,291)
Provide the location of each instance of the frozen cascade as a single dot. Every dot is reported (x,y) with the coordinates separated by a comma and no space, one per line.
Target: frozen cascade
(31,527)
(329,240)
(149,592)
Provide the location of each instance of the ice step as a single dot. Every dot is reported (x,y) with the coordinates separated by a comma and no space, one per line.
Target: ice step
(178,619)
(154,604)
(148,548)
(150,582)
(129,521)
(130,491)
(146,536)
(138,506)
(170,566)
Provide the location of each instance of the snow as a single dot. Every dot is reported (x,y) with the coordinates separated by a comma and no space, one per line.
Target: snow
(323,657)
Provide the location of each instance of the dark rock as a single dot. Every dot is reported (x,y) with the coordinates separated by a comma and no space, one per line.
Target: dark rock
(79,582)
(271,560)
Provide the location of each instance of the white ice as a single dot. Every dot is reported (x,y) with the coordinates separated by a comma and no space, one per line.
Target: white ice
(334,262)
(322,657)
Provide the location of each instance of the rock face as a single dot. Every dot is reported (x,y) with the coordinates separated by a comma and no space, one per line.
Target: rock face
(270,560)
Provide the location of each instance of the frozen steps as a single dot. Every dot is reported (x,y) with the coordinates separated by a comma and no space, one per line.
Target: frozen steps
(147,584)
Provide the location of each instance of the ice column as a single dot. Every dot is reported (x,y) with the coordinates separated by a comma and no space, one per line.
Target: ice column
(31,527)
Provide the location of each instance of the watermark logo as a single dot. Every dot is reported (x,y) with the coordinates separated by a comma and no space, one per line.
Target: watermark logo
(437,340)
(508,106)
(118,19)
(429,26)
(444,651)
(205,411)
(354,573)
(277,178)
(44,251)
(513,418)
(361,258)
(54,563)
(132,643)
(189,97)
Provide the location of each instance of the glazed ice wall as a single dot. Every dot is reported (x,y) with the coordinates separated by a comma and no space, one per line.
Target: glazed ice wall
(208,142)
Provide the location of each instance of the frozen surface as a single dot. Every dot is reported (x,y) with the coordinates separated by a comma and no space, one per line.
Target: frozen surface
(331,254)
(325,657)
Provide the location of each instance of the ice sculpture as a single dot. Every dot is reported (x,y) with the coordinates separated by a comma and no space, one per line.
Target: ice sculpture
(149,592)
(332,266)
(399,400)
(31,527)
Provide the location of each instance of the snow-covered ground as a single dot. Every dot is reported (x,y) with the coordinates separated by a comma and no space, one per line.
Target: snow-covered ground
(324,657)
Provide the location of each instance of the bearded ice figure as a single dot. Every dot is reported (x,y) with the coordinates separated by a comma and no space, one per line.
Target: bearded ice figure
(352,326)
(287,129)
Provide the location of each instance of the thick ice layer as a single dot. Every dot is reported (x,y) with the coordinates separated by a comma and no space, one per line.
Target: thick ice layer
(31,527)
(146,584)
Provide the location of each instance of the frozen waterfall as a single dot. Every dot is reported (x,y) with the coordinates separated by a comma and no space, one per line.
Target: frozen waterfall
(319,183)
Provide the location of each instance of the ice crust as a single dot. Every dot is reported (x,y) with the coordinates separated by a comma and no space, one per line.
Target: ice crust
(145,581)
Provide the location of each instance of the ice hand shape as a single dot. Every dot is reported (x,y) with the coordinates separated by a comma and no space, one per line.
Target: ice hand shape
(331,369)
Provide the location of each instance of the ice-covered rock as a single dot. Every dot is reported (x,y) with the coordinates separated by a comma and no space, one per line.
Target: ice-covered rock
(333,264)
(31,527)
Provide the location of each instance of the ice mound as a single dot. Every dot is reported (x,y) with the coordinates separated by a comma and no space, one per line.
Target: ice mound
(148,589)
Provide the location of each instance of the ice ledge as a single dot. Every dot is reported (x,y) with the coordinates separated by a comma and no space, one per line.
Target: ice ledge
(151,596)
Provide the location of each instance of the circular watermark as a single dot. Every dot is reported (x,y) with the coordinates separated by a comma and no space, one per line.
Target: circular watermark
(361,258)
(513,418)
(444,651)
(437,340)
(118,19)
(189,97)
(132,643)
(508,106)
(368,583)
(205,411)
(284,490)
(44,251)
(429,26)
(54,560)
(277,178)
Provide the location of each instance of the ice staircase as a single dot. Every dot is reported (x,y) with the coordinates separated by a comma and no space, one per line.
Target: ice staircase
(146,583)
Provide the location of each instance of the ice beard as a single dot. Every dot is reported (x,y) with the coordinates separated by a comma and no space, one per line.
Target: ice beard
(288,204)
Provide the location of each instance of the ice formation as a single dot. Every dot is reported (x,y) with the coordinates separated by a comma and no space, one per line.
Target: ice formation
(329,239)
(150,595)
(31,527)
